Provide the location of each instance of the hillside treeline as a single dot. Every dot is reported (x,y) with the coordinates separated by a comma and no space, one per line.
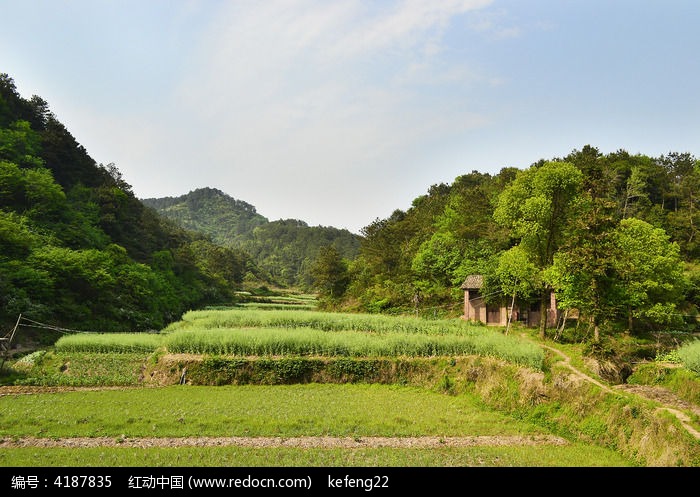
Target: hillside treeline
(227,220)
(78,249)
(283,251)
(614,235)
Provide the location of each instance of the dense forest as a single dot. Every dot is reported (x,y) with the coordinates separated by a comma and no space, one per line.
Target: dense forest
(79,249)
(615,236)
(284,251)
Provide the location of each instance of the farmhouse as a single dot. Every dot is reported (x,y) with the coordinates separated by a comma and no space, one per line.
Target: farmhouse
(495,311)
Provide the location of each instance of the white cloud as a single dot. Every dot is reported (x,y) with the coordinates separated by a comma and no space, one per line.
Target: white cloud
(332,89)
(407,25)
(494,24)
(281,101)
(306,107)
(266,70)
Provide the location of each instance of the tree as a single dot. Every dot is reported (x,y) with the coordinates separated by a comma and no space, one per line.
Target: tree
(581,273)
(634,190)
(537,207)
(330,273)
(650,273)
(436,262)
(465,237)
(683,220)
(516,276)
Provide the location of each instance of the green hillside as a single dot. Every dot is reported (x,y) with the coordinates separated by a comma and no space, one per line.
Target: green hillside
(284,250)
(228,221)
(78,248)
(615,236)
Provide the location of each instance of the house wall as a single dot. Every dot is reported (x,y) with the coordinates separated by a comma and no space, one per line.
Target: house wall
(476,310)
(496,314)
(474,307)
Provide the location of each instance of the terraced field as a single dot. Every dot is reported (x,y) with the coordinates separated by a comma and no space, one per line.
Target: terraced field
(271,387)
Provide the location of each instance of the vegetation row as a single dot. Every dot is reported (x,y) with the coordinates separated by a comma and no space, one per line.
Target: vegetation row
(255,332)
(245,332)
(285,318)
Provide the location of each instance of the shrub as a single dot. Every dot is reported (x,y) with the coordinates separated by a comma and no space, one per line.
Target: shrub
(689,355)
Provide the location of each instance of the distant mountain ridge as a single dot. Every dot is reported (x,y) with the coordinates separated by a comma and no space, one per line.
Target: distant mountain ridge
(226,220)
(285,249)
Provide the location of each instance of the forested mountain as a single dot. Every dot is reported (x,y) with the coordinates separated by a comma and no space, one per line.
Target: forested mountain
(228,221)
(615,236)
(78,248)
(283,250)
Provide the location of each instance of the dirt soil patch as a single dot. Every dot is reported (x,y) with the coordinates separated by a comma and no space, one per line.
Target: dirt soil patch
(29,390)
(293,442)
(661,395)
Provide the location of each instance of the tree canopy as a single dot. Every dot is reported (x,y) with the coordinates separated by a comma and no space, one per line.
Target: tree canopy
(612,235)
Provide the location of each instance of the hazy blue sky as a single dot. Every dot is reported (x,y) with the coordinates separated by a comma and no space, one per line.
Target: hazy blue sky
(338,112)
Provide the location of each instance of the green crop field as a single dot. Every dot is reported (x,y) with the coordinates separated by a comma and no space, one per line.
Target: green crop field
(482,398)
(245,332)
(357,412)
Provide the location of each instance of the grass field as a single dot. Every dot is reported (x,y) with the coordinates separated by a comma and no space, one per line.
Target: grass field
(281,410)
(451,380)
(284,411)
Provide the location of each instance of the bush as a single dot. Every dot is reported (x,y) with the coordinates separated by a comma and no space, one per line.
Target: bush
(689,354)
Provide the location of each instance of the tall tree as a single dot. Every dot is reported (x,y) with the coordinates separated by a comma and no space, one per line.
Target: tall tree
(581,273)
(465,235)
(516,276)
(684,216)
(582,268)
(537,207)
(330,274)
(649,272)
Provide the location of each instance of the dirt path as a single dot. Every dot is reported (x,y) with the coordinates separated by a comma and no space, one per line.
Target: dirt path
(669,401)
(29,390)
(577,372)
(293,442)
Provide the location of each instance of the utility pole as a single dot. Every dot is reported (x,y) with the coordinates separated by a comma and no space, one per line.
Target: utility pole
(6,342)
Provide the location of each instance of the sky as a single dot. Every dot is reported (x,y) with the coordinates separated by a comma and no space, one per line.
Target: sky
(339,112)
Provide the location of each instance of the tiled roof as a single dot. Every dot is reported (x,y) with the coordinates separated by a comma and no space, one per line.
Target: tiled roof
(473,282)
